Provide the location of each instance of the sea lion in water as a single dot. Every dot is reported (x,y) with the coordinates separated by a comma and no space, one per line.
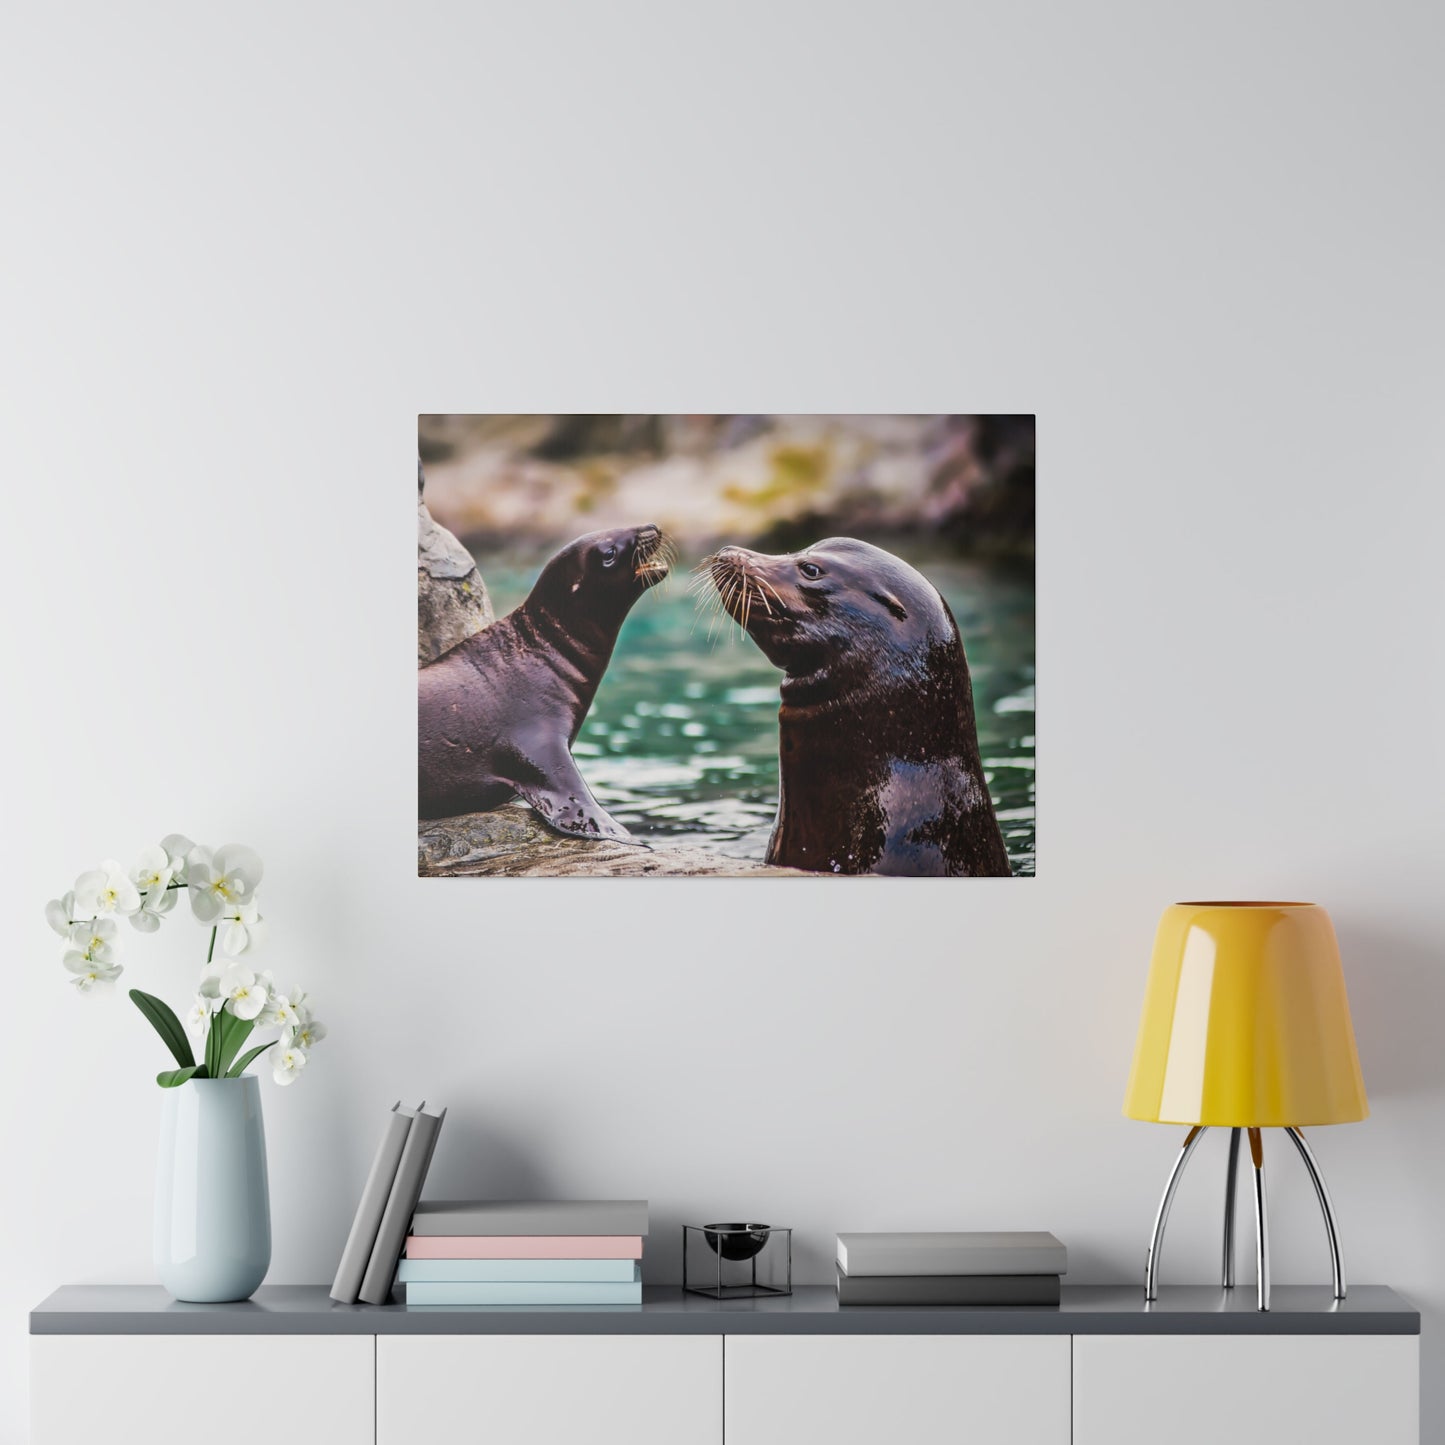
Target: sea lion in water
(498,714)
(878,761)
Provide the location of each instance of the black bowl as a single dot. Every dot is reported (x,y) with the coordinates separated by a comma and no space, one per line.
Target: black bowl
(736,1241)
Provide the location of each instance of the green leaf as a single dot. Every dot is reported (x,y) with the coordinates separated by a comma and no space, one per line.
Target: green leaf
(172,1078)
(249,1058)
(234,1032)
(166,1024)
(213,1043)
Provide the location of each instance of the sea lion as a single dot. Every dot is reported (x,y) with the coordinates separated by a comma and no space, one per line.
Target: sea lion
(498,714)
(878,761)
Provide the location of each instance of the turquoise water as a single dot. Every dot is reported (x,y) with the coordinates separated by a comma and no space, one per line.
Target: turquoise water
(682,739)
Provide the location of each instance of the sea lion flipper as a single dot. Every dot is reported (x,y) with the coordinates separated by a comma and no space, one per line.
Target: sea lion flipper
(565,804)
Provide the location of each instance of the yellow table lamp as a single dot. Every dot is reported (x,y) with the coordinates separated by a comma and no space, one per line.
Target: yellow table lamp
(1246,1026)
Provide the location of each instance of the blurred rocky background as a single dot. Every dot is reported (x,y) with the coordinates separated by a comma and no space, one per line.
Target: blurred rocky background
(776,482)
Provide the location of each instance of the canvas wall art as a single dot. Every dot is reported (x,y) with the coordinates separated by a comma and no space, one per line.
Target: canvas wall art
(726,645)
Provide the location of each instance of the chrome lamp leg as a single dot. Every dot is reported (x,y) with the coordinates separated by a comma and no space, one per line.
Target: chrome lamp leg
(1230,1179)
(1156,1239)
(1332,1231)
(1261,1219)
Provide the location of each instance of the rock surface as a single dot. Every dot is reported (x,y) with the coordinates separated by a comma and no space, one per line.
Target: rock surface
(451,598)
(512,843)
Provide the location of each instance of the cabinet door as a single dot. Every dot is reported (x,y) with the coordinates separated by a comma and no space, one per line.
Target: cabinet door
(548,1390)
(1246,1389)
(897,1389)
(220,1389)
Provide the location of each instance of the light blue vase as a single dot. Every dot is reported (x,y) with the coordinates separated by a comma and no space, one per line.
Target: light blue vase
(213,1209)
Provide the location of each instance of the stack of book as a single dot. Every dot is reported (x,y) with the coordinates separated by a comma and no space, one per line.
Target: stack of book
(489,1252)
(969,1268)
(388,1200)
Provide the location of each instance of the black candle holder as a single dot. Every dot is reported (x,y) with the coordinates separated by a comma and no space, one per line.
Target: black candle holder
(737,1261)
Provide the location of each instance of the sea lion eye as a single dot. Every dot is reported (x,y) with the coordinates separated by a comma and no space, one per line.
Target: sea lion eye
(810,569)
(609,556)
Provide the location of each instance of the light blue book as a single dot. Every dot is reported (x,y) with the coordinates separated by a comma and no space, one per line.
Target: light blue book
(519,1271)
(556,1292)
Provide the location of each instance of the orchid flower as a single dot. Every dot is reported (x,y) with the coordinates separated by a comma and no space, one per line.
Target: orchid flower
(242,929)
(308,1034)
(178,849)
(244,993)
(59,912)
(198,1018)
(94,939)
(89,973)
(215,883)
(106,889)
(286,1063)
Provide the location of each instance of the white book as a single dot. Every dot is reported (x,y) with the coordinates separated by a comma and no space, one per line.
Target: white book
(952,1252)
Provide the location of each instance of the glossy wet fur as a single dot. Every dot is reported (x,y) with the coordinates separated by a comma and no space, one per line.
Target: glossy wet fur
(879,767)
(498,713)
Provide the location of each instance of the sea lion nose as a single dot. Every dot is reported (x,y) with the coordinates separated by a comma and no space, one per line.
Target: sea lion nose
(648,533)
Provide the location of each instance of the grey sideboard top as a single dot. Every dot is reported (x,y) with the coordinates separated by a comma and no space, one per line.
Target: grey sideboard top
(1086,1310)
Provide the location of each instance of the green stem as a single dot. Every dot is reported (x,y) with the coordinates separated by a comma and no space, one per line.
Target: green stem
(210,952)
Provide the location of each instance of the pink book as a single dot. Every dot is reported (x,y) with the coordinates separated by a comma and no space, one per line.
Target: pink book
(524,1246)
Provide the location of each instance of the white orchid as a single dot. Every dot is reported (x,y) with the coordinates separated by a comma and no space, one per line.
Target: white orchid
(214,883)
(178,848)
(279,1011)
(244,993)
(198,1020)
(243,930)
(222,888)
(94,939)
(88,973)
(105,889)
(307,1035)
(286,1063)
(157,904)
(59,912)
(153,871)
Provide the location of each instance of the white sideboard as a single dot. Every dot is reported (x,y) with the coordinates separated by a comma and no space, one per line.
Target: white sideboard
(922,1389)
(1206,1389)
(127,1366)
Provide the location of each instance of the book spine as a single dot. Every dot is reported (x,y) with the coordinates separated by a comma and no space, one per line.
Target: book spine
(551,1246)
(542,1293)
(405,1191)
(519,1271)
(958,1290)
(356,1254)
(510,1220)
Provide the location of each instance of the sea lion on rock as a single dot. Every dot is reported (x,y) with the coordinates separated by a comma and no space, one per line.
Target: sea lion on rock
(498,714)
(878,761)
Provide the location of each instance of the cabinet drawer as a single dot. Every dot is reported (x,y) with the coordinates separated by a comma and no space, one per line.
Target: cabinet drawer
(1247,1389)
(549,1390)
(220,1389)
(897,1389)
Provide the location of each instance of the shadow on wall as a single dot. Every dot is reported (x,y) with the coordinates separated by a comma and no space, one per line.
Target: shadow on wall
(1397,999)
(477,1160)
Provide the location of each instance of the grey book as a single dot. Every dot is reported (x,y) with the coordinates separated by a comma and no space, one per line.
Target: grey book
(956,1252)
(421,1140)
(948,1289)
(356,1254)
(541,1217)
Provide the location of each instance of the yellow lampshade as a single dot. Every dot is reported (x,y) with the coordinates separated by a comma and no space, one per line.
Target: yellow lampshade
(1246,1023)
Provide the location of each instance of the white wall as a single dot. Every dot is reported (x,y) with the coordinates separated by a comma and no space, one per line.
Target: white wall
(239,256)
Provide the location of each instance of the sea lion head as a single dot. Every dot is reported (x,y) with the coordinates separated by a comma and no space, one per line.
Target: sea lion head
(604,573)
(837,607)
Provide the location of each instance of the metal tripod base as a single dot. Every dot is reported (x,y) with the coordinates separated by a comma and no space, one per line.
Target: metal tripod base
(1261,1212)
